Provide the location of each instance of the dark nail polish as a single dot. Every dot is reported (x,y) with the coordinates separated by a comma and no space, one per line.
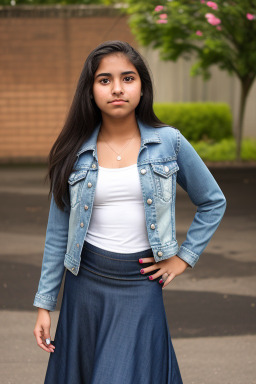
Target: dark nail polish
(150,277)
(160,281)
(141,261)
(142,271)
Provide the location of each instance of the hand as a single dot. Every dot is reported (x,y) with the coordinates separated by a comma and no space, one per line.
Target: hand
(42,330)
(173,266)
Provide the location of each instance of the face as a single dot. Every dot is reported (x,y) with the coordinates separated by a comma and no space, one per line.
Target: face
(116,78)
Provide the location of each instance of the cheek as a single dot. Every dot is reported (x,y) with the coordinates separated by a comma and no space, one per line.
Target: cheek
(98,95)
(136,95)
(136,90)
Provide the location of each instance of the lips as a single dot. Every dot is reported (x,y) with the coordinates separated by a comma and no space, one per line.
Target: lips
(116,100)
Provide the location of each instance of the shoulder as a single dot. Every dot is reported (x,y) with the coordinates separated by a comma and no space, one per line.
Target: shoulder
(168,131)
(170,137)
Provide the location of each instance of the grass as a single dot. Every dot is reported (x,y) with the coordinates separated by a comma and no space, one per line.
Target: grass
(225,150)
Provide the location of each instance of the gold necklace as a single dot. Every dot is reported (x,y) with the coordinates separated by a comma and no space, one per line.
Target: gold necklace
(118,153)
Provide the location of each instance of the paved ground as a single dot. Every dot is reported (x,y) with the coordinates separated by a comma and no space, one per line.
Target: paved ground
(211,308)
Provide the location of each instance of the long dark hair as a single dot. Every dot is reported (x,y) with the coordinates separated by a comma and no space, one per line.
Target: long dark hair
(84,115)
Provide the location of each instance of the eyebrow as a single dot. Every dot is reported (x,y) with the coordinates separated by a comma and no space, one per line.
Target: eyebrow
(109,74)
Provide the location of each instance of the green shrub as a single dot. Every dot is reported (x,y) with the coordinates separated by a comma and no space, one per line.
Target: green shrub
(248,149)
(197,121)
(225,150)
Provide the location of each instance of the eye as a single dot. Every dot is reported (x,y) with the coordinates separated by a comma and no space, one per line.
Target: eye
(104,81)
(130,78)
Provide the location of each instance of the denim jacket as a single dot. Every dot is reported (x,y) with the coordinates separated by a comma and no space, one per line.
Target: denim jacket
(165,157)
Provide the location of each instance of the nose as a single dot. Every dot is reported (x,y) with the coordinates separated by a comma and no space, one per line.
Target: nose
(117,87)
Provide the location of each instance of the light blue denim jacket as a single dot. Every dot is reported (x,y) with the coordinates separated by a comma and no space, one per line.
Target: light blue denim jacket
(165,157)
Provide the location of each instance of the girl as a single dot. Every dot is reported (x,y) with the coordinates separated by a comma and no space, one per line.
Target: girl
(113,172)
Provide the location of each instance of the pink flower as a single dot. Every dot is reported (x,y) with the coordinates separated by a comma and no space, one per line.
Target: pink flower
(161,21)
(213,20)
(159,8)
(212,5)
(250,16)
(199,33)
(163,16)
(219,28)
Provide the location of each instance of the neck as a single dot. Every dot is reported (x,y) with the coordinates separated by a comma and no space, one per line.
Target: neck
(119,129)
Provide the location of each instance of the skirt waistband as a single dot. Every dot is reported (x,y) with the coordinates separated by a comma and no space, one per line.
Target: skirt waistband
(124,266)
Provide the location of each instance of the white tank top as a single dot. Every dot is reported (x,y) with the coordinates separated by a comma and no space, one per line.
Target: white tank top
(118,220)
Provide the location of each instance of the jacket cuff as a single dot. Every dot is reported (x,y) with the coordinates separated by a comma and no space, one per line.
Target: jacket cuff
(190,257)
(45,302)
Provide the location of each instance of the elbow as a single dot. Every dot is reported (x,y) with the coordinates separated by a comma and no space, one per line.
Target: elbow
(216,206)
(222,205)
(224,202)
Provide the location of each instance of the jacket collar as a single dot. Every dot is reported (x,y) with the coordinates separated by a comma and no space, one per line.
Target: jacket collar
(148,134)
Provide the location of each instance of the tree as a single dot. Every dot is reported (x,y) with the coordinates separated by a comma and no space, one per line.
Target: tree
(220,32)
(55,2)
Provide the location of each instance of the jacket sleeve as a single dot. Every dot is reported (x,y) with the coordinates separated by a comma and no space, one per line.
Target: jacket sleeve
(196,179)
(53,258)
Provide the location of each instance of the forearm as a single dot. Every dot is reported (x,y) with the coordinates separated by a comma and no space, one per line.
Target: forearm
(53,259)
(195,178)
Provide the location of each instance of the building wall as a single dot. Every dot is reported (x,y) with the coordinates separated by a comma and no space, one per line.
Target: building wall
(43,50)
(42,55)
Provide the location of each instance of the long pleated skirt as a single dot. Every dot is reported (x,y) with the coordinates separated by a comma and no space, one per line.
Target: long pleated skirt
(112,326)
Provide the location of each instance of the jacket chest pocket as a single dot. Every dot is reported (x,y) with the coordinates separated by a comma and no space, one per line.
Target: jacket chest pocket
(164,176)
(76,181)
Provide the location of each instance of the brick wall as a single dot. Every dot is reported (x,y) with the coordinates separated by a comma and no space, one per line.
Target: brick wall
(43,50)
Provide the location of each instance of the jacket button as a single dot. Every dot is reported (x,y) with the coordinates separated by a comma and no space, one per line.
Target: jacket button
(166,169)
(93,166)
(160,253)
(77,245)
(86,207)
(89,185)
(152,226)
(81,225)
(143,171)
(73,268)
(149,201)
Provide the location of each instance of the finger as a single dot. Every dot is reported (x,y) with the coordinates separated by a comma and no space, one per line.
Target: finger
(149,269)
(156,275)
(47,342)
(147,260)
(165,276)
(168,280)
(46,348)
(40,342)
(47,338)
(44,345)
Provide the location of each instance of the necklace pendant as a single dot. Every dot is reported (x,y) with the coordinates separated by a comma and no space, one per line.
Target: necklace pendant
(119,157)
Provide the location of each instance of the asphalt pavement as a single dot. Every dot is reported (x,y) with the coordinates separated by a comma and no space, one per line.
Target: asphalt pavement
(211,309)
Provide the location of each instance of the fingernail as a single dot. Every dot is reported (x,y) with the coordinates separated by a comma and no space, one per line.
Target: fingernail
(160,281)
(141,261)
(150,277)
(142,271)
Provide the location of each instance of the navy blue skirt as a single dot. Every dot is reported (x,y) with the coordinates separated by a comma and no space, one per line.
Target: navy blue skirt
(112,326)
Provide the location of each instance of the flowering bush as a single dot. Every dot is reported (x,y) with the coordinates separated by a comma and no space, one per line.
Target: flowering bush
(213,20)
(220,32)
(212,5)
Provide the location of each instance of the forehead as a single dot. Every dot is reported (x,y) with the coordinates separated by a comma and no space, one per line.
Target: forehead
(115,62)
